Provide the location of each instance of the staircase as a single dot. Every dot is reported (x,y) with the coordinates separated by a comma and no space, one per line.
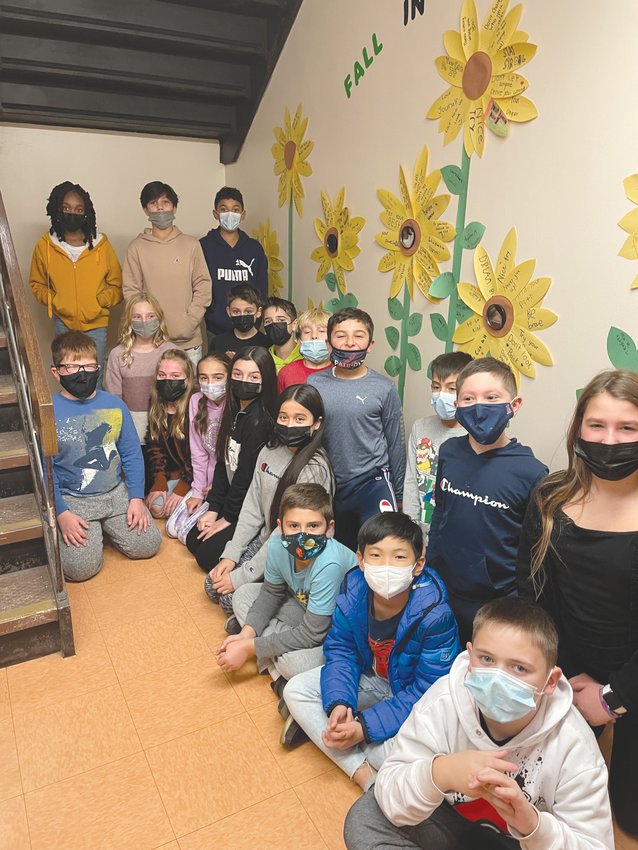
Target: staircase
(35,618)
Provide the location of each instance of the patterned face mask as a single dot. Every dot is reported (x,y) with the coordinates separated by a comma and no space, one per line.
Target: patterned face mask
(304,546)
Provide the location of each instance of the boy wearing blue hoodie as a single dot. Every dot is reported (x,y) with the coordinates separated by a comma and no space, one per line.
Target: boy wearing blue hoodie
(392,636)
(483,484)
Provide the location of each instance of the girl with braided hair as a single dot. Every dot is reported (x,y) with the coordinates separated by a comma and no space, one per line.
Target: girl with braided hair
(75,272)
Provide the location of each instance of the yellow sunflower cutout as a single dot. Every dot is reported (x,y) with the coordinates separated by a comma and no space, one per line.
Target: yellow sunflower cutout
(415,238)
(629,224)
(507,307)
(339,235)
(291,154)
(267,238)
(481,65)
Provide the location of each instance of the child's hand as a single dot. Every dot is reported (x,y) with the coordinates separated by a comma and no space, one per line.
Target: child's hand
(206,519)
(587,700)
(338,714)
(235,654)
(247,633)
(171,503)
(456,771)
(73,529)
(223,585)
(504,793)
(192,504)
(137,516)
(345,734)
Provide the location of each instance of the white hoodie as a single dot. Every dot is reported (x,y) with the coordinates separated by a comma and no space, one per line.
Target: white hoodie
(561,769)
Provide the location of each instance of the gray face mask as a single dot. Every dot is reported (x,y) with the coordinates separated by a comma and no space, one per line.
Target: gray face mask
(162,220)
(145,329)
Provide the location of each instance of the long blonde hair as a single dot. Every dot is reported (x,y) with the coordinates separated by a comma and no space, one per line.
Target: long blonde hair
(572,483)
(158,411)
(127,335)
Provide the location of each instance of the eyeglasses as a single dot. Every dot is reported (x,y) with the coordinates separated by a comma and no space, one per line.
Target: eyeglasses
(74,368)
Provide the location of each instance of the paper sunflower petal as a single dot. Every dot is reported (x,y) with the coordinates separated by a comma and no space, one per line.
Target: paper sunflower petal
(470,329)
(519,355)
(387,240)
(453,46)
(629,222)
(518,278)
(399,277)
(357,223)
(518,109)
(484,272)
(512,58)
(341,279)
(388,261)
(423,281)
(507,85)
(506,257)
(531,294)
(450,70)
(327,211)
(469,28)
(538,351)
(539,318)
(471,295)
(501,35)
(631,187)
(629,249)
(477,347)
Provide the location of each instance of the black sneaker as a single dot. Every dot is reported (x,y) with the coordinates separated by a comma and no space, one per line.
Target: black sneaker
(278,686)
(292,735)
(232,625)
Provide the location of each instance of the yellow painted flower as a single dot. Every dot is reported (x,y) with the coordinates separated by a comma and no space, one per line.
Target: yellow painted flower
(267,238)
(629,224)
(507,305)
(480,66)
(415,238)
(290,153)
(339,235)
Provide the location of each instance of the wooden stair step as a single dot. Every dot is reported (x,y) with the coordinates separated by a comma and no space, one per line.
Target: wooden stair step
(13,450)
(3,338)
(26,600)
(7,390)
(19,519)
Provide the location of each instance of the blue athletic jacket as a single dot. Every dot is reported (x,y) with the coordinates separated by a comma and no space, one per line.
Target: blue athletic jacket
(427,643)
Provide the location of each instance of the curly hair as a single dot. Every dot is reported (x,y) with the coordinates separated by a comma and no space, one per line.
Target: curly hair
(54,211)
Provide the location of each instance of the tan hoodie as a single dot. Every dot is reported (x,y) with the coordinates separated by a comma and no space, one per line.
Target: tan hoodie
(175,272)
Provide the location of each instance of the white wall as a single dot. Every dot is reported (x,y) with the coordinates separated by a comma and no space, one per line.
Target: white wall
(112,167)
(558,178)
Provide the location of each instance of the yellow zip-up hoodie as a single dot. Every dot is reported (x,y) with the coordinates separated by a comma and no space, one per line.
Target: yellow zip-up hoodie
(80,293)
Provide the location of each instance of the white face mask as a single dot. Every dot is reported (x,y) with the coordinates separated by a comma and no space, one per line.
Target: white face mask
(213,391)
(386,580)
(230,220)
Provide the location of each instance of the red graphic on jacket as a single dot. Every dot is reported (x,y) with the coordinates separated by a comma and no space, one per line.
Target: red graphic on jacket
(381,650)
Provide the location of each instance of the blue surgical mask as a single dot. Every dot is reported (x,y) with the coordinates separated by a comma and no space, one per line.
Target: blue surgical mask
(499,696)
(213,391)
(444,405)
(304,546)
(485,422)
(230,220)
(314,350)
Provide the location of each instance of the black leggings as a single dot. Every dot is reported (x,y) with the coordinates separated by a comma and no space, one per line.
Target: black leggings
(208,552)
(623,775)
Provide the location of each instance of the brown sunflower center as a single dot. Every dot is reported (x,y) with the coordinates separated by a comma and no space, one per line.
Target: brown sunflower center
(409,237)
(477,75)
(290,150)
(498,315)
(331,241)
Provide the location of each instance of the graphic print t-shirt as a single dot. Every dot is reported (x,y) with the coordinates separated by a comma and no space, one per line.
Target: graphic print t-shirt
(382,635)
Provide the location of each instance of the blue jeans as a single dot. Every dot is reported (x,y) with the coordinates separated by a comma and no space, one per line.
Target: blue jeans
(98,335)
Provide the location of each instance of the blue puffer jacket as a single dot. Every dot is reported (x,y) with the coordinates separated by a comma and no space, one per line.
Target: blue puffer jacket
(427,642)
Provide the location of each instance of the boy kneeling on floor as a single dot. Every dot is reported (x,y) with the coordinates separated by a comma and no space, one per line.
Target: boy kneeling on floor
(285,620)
(493,756)
(393,635)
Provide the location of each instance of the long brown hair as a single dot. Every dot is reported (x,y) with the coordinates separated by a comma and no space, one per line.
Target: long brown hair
(574,483)
(201,416)
(158,412)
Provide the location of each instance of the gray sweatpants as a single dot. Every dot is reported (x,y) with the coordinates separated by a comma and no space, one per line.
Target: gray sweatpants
(105,513)
(289,615)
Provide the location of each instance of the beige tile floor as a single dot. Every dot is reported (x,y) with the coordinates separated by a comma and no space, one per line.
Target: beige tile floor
(140,742)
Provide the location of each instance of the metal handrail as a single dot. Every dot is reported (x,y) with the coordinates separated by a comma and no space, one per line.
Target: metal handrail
(34,398)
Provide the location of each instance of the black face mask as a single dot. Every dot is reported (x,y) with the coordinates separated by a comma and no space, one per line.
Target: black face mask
(72,221)
(611,463)
(81,385)
(171,389)
(244,390)
(295,437)
(277,333)
(243,323)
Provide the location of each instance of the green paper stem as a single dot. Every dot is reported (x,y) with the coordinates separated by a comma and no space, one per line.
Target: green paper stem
(290,247)
(458,250)
(403,345)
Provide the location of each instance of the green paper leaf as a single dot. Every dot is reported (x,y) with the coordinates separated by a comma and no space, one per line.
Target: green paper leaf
(463,312)
(415,323)
(414,358)
(392,335)
(396,309)
(472,234)
(439,326)
(429,372)
(622,349)
(442,285)
(453,179)
(392,366)
(332,305)
(331,281)
(349,300)
(578,392)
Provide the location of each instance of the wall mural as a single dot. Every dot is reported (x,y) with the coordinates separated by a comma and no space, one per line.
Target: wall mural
(270,243)
(415,244)
(291,153)
(339,237)
(621,348)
